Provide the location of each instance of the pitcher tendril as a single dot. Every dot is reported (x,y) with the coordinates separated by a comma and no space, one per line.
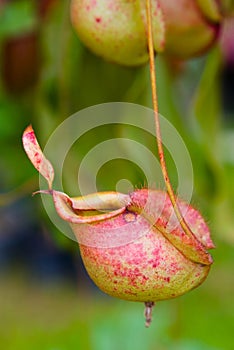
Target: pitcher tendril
(170,190)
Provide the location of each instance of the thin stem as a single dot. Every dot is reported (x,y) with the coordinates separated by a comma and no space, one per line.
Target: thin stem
(170,190)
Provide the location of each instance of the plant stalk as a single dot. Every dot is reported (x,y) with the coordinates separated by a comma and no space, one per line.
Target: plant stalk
(169,188)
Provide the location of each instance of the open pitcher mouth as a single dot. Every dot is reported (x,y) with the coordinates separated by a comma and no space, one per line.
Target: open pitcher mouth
(91,208)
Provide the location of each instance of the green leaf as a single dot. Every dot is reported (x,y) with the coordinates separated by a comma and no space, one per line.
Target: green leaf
(207,103)
(18,17)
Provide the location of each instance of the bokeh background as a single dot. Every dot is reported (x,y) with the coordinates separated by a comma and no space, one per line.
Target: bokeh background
(47,301)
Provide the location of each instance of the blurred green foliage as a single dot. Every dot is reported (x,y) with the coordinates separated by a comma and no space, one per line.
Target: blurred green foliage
(70,78)
(18,17)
